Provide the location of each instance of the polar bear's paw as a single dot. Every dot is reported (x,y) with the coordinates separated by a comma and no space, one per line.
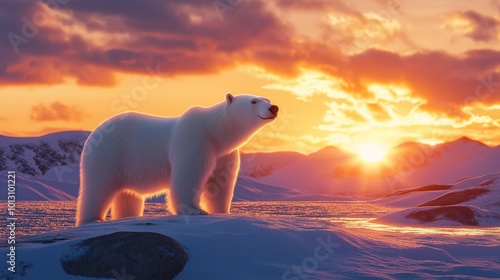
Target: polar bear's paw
(81,223)
(188,210)
(198,212)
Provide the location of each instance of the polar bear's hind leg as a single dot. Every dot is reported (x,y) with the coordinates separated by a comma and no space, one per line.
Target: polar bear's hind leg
(127,204)
(92,207)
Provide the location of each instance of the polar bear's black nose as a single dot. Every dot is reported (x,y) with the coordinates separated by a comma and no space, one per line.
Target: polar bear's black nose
(274,109)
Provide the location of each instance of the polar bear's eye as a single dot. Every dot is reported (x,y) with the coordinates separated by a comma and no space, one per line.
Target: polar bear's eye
(254,102)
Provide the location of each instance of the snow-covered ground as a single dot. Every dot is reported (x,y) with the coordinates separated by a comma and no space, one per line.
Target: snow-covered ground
(250,247)
(309,240)
(473,201)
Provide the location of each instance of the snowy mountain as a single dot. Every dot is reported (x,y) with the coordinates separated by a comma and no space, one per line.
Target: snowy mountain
(332,171)
(329,173)
(258,165)
(40,188)
(47,168)
(248,189)
(37,155)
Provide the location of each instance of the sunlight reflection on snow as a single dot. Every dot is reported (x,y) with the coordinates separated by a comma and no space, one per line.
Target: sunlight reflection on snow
(366,223)
(35,217)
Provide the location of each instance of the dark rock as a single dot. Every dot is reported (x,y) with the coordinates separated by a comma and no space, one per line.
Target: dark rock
(461,214)
(456,197)
(421,189)
(487,182)
(126,255)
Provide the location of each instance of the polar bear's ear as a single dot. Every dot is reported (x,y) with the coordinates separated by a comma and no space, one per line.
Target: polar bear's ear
(229,98)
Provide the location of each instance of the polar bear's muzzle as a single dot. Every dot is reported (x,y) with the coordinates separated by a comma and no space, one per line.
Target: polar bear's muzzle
(274,110)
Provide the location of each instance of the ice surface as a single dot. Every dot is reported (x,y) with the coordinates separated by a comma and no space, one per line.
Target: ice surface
(250,247)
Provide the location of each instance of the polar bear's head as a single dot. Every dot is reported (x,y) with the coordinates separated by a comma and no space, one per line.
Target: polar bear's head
(250,112)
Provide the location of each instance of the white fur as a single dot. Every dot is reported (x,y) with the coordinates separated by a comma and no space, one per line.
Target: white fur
(132,156)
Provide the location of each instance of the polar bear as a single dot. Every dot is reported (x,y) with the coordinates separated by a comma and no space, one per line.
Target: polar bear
(194,158)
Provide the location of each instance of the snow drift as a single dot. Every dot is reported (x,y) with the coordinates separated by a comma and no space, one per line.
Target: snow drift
(472,202)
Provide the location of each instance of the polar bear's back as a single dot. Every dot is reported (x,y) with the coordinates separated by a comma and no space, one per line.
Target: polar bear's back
(128,143)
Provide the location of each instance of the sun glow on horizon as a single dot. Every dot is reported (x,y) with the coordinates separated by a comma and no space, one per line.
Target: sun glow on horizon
(432,142)
(371,152)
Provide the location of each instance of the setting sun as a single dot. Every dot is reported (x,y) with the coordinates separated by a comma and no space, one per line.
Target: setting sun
(371,152)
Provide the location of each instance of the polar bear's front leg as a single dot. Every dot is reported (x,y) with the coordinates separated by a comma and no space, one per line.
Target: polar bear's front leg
(190,172)
(219,191)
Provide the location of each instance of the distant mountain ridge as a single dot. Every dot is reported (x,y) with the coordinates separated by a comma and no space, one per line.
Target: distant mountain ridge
(37,155)
(47,168)
(332,171)
(328,173)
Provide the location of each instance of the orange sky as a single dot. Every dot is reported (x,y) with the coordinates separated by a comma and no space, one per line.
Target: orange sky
(342,72)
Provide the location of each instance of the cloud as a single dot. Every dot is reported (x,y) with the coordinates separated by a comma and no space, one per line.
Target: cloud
(41,132)
(377,84)
(182,37)
(378,112)
(89,41)
(57,111)
(380,92)
(478,27)
(317,5)
(495,5)
(445,82)
(36,50)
